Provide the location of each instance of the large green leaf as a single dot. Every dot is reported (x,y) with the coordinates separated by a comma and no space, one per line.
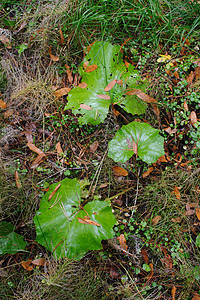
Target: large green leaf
(138,138)
(57,225)
(110,66)
(10,242)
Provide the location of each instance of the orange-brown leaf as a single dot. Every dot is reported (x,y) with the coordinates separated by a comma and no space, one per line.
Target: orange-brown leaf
(61,36)
(176,220)
(145,255)
(85,64)
(27,265)
(198,213)
(33,148)
(105,97)
(8,113)
(36,161)
(156,219)
(156,110)
(164,158)
(39,262)
(91,68)
(110,85)
(141,95)
(118,171)
(176,192)
(196,297)
(3,105)
(94,146)
(69,73)
(185,106)
(176,74)
(53,57)
(54,191)
(173,292)
(149,171)
(88,222)
(85,106)
(190,77)
(122,242)
(58,148)
(170,130)
(17,180)
(62,92)
(193,117)
(82,85)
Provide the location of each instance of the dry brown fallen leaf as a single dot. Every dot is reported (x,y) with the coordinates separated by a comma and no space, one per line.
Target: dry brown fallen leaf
(88,222)
(105,97)
(149,171)
(38,160)
(193,117)
(170,130)
(110,85)
(122,242)
(91,68)
(39,262)
(69,74)
(62,40)
(35,149)
(176,220)
(190,77)
(58,148)
(94,146)
(85,106)
(5,40)
(82,85)
(27,265)
(176,192)
(141,95)
(3,105)
(176,74)
(164,158)
(118,171)
(198,213)
(196,297)
(156,219)
(8,113)
(132,145)
(54,191)
(17,180)
(173,291)
(185,105)
(53,57)
(62,92)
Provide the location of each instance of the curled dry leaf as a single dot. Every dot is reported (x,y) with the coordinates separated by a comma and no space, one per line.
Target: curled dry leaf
(85,106)
(82,85)
(190,77)
(164,158)
(54,191)
(58,148)
(176,192)
(91,68)
(62,40)
(173,292)
(156,219)
(53,57)
(69,73)
(33,148)
(110,85)
(94,146)
(62,92)
(39,262)
(17,180)
(85,64)
(27,265)
(149,171)
(38,160)
(122,242)
(141,95)
(3,105)
(193,117)
(198,213)
(5,40)
(118,171)
(185,106)
(88,222)
(176,220)
(105,97)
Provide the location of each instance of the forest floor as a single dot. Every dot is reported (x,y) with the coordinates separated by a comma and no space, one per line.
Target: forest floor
(153,250)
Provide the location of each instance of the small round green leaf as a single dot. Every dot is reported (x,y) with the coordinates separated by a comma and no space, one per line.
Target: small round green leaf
(136,138)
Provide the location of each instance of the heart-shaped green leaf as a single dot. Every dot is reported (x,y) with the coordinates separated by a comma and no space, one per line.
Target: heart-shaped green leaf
(67,229)
(10,242)
(136,138)
(103,86)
